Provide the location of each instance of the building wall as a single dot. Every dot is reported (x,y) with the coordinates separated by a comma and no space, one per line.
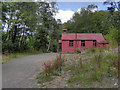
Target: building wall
(66,48)
(107,45)
(101,45)
(88,44)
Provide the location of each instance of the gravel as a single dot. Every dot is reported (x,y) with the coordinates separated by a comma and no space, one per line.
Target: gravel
(22,72)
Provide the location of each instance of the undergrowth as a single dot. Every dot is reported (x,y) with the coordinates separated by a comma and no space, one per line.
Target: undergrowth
(101,66)
(11,56)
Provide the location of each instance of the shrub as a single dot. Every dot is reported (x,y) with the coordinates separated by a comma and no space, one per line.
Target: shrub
(47,67)
(55,66)
(6,52)
(78,49)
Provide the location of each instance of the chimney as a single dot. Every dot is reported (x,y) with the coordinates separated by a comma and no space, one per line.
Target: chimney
(64,30)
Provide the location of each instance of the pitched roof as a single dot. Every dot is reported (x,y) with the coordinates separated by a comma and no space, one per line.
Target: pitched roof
(84,36)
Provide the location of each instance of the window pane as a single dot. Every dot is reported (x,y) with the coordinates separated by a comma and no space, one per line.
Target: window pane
(94,42)
(83,43)
(71,43)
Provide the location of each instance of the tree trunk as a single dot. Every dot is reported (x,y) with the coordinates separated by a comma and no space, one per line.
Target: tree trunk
(49,45)
(14,34)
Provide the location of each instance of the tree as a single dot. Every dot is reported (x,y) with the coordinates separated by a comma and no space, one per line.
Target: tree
(115,15)
(27,21)
(89,22)
(92,7)
(113,5)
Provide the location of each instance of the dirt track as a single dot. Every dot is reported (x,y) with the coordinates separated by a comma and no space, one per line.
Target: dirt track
(21,73)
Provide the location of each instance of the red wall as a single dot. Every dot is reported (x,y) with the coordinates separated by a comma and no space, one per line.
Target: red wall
(88,44)
(101,45)
(66,48)
(107,45)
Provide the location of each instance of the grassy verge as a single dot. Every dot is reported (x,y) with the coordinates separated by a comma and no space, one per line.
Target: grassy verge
(43,78)
(11,56)
(95,68)
(95,71)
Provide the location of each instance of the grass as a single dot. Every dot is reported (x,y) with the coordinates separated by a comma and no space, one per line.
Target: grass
(43,78)
(54,67)
(11,56)
(89,70)
(101,66)
(51,69)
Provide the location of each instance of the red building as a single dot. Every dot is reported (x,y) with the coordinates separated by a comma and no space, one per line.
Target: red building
(71,41)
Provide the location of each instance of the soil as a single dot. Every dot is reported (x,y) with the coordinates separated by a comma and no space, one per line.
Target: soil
(61,81)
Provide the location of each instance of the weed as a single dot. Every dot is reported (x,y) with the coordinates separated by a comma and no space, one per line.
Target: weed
(100,66)
(58,73)
(117,66)
(42,85)
(51,68)
(92,49)
(48,68)
(80,62)
(78,50)
(54,67)
(43,78)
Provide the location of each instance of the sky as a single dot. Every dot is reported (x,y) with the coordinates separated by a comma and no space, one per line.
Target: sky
(67,9)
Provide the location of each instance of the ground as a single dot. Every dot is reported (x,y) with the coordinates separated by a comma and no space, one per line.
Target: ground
(21,73)
(72,76)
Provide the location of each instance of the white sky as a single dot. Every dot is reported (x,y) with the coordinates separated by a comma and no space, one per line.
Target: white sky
(66,15)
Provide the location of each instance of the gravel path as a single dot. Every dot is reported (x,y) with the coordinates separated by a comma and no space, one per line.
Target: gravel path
(21,73)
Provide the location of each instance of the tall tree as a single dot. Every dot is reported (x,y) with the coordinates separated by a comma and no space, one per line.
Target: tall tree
(114,9)
(28,25)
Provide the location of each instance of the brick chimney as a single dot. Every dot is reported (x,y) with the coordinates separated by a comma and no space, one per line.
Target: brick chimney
(64,30)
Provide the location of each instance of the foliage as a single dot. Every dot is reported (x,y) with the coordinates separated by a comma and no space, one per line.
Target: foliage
(112,37)
(43,78)
(29,24)
(113,5)
(51,69)
(105,22)
(89,22)
(78,49)
(94,72)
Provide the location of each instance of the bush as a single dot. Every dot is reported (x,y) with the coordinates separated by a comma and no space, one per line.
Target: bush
(78,49)
(53,67)
(7,45)
(112,37)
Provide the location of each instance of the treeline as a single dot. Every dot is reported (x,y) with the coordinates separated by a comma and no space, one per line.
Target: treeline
(29,26)
(105,22)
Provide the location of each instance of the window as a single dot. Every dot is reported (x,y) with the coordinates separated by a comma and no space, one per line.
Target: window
(71,43)
(103,45)
(94,43)
(83,43)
